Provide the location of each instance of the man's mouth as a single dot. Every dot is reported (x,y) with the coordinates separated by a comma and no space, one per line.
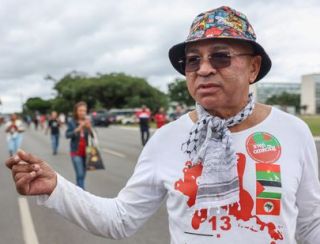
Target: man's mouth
(208,87)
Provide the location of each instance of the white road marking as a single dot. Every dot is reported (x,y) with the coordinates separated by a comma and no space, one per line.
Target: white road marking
(120,155)
(29,233)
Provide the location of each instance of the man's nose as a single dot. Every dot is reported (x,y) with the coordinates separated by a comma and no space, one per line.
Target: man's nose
(206,68)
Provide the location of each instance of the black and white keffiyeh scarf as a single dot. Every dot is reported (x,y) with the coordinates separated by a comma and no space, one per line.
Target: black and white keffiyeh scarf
(210,144)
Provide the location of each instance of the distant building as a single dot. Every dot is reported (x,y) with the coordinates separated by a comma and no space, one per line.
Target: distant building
(310,94)
(265,90)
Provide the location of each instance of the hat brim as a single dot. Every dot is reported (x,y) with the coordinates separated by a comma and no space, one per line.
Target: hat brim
(178,51)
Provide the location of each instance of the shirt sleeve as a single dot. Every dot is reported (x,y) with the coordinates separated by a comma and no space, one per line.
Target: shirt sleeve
(70,130)
(111,217)
(308,194)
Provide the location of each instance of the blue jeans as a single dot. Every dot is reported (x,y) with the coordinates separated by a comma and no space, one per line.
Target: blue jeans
(14,144)
(80,169)
(55,143)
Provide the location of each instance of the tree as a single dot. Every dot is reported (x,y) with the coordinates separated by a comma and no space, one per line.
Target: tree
(61,105)
(285,99)
(115,90)
(37,104)
(178,92)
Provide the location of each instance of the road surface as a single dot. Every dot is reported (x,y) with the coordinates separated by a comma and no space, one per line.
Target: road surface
(120,148)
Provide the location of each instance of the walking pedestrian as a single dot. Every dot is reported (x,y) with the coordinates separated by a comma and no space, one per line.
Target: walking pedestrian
(36,121)
(62,118)
(28,120)
(178,112)
(54,127)
(78,131)
(14,129)
(144,119)
(160,117)
(43,119)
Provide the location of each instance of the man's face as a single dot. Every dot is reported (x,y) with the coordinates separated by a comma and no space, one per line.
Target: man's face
(223,91)
(54,115)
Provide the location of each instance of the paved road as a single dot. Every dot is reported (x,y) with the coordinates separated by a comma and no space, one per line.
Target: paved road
(121,148)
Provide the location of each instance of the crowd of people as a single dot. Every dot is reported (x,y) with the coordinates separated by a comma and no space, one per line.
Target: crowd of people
(78,129)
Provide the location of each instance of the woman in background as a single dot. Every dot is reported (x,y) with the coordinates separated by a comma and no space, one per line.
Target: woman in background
(78,131)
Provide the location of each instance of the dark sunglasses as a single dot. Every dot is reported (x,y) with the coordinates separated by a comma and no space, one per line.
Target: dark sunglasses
(217,60)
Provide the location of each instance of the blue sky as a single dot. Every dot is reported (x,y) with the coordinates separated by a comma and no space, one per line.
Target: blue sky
(56,37)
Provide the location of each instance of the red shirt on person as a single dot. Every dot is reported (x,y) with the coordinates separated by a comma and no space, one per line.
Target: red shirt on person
(160,119)
(81,147)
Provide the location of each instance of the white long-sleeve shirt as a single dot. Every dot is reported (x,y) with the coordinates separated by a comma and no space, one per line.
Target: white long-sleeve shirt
(279,189)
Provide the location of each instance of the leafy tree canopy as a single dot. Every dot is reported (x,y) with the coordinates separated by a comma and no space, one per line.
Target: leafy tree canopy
(178,92)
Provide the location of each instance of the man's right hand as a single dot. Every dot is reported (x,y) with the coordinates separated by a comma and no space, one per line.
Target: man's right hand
(32,176)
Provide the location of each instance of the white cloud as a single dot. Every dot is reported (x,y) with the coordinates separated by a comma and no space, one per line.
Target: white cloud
(56,37)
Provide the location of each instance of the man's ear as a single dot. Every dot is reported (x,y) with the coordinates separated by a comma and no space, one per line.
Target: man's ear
(254,68)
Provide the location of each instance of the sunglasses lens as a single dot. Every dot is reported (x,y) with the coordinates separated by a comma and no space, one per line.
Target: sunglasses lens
(217,60)
(192,63)
(220,60)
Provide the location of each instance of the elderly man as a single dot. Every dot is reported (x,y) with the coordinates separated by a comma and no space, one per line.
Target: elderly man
(233,171)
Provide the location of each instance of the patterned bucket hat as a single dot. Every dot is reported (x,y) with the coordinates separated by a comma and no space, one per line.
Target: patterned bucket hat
(226,23)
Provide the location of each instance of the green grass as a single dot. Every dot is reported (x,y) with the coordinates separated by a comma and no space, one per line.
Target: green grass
(314,123)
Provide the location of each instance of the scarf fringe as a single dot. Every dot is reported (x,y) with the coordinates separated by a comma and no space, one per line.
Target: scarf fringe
(219,203)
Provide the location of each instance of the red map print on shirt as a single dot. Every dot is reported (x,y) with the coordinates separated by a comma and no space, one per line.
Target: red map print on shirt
(188,186)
